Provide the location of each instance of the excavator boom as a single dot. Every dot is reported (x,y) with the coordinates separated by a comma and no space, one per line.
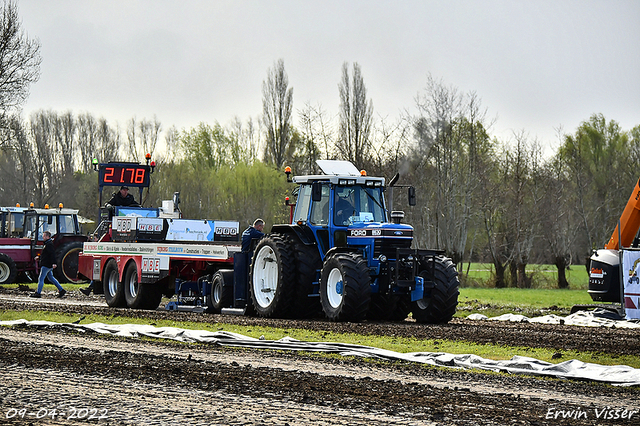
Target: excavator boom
(629,222)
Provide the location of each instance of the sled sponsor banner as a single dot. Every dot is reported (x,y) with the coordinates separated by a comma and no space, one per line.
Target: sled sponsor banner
(630,275)
(190,230)
(187,251)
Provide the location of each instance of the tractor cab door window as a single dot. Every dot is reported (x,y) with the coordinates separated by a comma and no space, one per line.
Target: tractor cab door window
(320,209)
(67,225)
(302,204)
(30,230)
(47,223)
(16,223)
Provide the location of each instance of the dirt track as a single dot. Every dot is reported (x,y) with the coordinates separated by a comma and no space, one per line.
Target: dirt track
(156,383)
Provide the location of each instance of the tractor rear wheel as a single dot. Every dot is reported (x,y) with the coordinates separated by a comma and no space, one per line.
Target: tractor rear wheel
(439,303)
(8,269)
(345,290)
(67,261)
(221,295)
(273,276)
(113,287)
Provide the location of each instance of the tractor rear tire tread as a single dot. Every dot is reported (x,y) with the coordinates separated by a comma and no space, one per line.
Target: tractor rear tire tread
(444,296)
(67,261)
(308,262)
(282,303)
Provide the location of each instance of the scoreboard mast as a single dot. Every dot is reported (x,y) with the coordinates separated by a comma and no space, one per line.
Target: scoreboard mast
(116,173)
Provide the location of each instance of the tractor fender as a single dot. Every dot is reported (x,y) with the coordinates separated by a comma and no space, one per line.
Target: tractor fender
(336,250)
(300,233)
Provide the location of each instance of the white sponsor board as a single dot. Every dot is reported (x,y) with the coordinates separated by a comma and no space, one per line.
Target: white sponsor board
(190,230)
(147,224)
(631,276)
(123,224)
(183,251)
(154,264)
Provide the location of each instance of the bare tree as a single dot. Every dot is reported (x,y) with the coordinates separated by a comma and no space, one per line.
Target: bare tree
(19,61)
(171,140)
(142,137)
(132,129)
(87,135)
(277,104)
(356,117)
(451,151)
(16,165)
(66,135)
(107,141)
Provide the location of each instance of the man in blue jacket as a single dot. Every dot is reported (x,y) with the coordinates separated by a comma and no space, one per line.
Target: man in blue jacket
(47,264)
(251,233)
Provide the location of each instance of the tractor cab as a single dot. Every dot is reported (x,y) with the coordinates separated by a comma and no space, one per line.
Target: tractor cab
(346,208)
(21,231)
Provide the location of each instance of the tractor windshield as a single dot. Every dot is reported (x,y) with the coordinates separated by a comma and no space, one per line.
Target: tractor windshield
(358,204)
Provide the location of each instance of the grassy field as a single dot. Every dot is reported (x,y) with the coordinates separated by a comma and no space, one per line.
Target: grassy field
(543,276)
(530,302)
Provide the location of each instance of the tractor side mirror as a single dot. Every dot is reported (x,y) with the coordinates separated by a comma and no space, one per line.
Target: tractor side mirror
(316,191)
(412,196)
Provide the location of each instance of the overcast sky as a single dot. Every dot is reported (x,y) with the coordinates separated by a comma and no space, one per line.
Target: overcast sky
(536,65)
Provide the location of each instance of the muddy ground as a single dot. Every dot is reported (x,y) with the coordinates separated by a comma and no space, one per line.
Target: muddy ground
(141,382)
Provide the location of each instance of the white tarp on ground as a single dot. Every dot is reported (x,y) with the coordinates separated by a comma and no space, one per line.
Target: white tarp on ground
(619,375)
(597,318)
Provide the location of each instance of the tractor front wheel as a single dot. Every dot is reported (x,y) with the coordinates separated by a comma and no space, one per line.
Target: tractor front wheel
(345,287)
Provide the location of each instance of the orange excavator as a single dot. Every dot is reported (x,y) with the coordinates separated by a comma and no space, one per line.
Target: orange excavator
(609,267)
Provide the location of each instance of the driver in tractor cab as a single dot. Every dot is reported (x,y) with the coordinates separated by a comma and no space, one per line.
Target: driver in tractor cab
(344,206)
(122,198)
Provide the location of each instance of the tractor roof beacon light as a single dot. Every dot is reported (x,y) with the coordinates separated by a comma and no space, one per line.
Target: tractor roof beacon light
(17,204)
(31,205)
(60,205)
(363,172)
(94,162)
(153,166)
(147,157)
(46,206)
(287,171)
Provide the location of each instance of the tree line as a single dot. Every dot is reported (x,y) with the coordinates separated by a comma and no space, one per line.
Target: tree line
(480,198)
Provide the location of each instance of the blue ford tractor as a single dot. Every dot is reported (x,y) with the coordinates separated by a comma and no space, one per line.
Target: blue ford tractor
(342,256)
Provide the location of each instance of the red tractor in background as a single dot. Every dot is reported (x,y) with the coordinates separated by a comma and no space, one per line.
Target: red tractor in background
(21,242)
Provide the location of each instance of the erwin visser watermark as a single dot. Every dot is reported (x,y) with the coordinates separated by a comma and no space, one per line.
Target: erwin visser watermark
(607,413)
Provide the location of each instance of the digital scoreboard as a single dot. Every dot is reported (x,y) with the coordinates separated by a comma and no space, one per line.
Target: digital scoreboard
(124,174)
